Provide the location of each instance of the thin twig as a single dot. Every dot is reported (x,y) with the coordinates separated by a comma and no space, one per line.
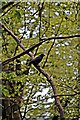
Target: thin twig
(11,98)
(10,8)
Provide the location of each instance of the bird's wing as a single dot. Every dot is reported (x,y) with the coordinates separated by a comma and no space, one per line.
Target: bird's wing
(36,60)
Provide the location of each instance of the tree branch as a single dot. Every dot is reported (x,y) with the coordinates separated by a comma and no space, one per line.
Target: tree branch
(28,50)
(77,93)
(11,98)
(63,37)
(21,54)
(49,79)
(5,6)
(27,102)
(12,34)
(10,8)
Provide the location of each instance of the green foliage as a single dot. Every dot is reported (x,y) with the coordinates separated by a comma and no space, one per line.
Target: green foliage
(57,19)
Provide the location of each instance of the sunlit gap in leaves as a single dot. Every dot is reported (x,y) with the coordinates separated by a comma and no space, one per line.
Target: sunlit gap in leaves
(27,30)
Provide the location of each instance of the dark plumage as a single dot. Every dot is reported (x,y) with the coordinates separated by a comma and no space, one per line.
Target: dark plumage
(37,60)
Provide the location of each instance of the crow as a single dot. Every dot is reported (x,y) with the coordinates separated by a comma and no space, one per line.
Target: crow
(37,60)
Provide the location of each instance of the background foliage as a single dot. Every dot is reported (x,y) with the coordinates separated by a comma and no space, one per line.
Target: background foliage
(31,21)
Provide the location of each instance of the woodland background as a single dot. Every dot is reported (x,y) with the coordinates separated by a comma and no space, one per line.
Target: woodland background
(50,90)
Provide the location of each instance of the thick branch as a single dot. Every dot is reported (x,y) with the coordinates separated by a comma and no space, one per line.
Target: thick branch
(21,54)
(8,4)
(49,79)
(14,36)
(28,50)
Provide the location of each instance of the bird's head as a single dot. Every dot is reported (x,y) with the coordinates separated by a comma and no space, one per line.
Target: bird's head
(42,55)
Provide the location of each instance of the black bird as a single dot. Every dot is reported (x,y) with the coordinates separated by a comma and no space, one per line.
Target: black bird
(37,60)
